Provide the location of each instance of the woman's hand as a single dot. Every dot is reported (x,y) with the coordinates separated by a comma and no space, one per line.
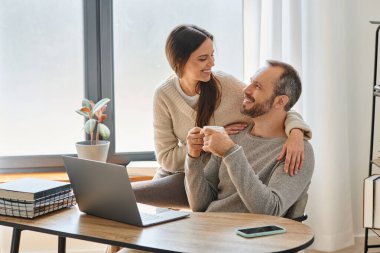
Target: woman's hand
(194,141)
(235,128)
(294,151)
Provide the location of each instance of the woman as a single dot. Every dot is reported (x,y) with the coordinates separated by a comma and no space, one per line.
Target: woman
(196,96)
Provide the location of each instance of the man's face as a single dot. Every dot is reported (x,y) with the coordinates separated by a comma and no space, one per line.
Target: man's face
(258,95)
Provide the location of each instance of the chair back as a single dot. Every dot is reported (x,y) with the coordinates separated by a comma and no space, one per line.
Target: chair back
(298,208)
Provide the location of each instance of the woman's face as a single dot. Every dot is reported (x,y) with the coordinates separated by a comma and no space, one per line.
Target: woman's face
(198,67)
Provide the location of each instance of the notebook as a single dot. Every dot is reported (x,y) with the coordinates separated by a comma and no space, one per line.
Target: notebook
(104,190)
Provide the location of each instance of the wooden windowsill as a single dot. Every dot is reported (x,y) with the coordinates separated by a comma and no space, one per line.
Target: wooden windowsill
(56,176)
(62,176)
(137,171)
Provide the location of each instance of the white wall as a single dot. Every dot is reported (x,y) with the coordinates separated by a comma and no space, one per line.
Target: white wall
(361,42)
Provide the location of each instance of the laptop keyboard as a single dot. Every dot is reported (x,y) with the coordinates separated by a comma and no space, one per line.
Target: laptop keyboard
(149,217)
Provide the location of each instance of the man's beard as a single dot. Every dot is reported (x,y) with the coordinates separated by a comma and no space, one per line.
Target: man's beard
(258,109)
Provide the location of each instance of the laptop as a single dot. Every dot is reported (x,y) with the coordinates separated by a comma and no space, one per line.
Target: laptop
(104,190)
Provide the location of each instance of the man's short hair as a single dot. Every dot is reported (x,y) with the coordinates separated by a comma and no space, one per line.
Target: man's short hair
(289,83)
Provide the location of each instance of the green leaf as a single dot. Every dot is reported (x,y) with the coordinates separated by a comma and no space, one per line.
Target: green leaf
(82,113)
(90,126)
(86,103)
(104,131)
(100,104)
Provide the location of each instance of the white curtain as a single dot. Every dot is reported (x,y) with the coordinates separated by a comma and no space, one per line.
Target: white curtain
(310,35)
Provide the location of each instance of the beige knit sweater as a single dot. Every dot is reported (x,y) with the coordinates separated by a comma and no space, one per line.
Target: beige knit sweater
(173,118)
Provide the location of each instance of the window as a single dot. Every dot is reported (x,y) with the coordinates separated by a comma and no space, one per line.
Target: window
(53,53)
(41,76)
(140,64)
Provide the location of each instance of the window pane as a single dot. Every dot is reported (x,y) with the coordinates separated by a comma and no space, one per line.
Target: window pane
(41,76)
(140,64)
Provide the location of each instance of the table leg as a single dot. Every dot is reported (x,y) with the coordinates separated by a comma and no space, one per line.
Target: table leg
(61,244)
(15,240)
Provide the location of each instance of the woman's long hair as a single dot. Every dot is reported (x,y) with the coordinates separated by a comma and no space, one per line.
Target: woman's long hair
(180,44)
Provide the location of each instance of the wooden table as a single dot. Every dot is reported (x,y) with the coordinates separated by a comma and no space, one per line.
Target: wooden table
(201,232)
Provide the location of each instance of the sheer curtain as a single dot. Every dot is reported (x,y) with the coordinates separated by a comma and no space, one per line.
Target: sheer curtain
(310,35)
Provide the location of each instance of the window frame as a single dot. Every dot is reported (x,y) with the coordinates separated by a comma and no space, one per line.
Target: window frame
(99,71)
(98,83)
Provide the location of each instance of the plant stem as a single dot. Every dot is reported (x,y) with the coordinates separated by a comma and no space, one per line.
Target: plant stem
(91,138)
(97,133)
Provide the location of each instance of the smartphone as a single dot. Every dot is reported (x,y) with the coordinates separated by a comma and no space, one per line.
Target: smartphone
(260,231)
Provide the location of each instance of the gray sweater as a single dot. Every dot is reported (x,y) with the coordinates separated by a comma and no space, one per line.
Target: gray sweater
(248,178)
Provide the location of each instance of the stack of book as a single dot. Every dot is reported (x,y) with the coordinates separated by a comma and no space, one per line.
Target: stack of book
(371,212)
(32,197)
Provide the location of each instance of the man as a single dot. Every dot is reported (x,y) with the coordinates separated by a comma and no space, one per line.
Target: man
(243,174)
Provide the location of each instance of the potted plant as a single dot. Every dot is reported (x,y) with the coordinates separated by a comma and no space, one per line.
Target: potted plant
(94,149)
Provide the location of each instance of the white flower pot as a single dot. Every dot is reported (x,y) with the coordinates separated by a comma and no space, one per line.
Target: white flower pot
(97,152)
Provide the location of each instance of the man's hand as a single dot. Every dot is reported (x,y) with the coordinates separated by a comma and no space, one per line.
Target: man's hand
(216,142)
(194,141)
(294,151)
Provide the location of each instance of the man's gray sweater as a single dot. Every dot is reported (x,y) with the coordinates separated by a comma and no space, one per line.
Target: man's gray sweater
(248,178)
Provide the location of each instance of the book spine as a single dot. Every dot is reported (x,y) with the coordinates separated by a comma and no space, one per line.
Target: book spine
(369,200)
(373,201)
(46,193)
(21,209)
(376,204)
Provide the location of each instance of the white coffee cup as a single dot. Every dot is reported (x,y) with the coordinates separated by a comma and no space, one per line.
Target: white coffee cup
(215,128)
